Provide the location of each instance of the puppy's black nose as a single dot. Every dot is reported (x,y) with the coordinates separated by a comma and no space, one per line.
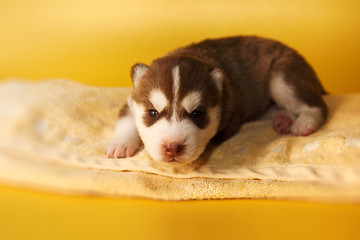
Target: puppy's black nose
(174,149)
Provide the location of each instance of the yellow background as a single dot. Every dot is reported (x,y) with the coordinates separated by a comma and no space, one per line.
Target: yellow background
(96,42)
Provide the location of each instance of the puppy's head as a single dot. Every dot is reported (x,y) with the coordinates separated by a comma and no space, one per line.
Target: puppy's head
(176,103)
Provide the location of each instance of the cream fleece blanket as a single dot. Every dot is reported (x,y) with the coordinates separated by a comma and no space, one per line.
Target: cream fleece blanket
(53,135)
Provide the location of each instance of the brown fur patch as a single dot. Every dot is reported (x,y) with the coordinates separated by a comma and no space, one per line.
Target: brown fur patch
(247,63)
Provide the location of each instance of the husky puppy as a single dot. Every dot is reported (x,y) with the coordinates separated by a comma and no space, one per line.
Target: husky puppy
(206,91)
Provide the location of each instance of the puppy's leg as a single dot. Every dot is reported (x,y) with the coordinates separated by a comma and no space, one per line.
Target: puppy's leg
(126,140)
(304,111)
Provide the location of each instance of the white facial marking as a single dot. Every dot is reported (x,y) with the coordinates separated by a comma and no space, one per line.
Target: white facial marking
(191,101)
(176,84)
(184,132)
(158,100)
(176,89)
(175,130)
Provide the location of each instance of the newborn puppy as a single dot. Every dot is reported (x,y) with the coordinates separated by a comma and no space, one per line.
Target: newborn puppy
(206,91)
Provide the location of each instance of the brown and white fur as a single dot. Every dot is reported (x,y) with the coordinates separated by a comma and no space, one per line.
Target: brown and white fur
(206,91)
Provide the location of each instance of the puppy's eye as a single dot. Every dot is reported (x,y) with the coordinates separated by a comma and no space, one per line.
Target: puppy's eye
(196,114)
(153,113)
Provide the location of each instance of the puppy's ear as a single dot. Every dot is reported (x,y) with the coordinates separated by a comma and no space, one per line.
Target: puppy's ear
(137,72)
(218,76)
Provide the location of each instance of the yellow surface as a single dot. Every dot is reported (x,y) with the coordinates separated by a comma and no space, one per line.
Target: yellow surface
(29,215)
(96,42)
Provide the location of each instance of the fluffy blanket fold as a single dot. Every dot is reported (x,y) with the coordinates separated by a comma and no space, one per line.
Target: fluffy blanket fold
(52,137)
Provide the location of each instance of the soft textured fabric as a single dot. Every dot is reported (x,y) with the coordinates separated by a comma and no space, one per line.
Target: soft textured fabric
(53,133)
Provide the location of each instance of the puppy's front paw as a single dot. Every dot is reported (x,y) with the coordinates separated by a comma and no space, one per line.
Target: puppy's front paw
(118,148)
